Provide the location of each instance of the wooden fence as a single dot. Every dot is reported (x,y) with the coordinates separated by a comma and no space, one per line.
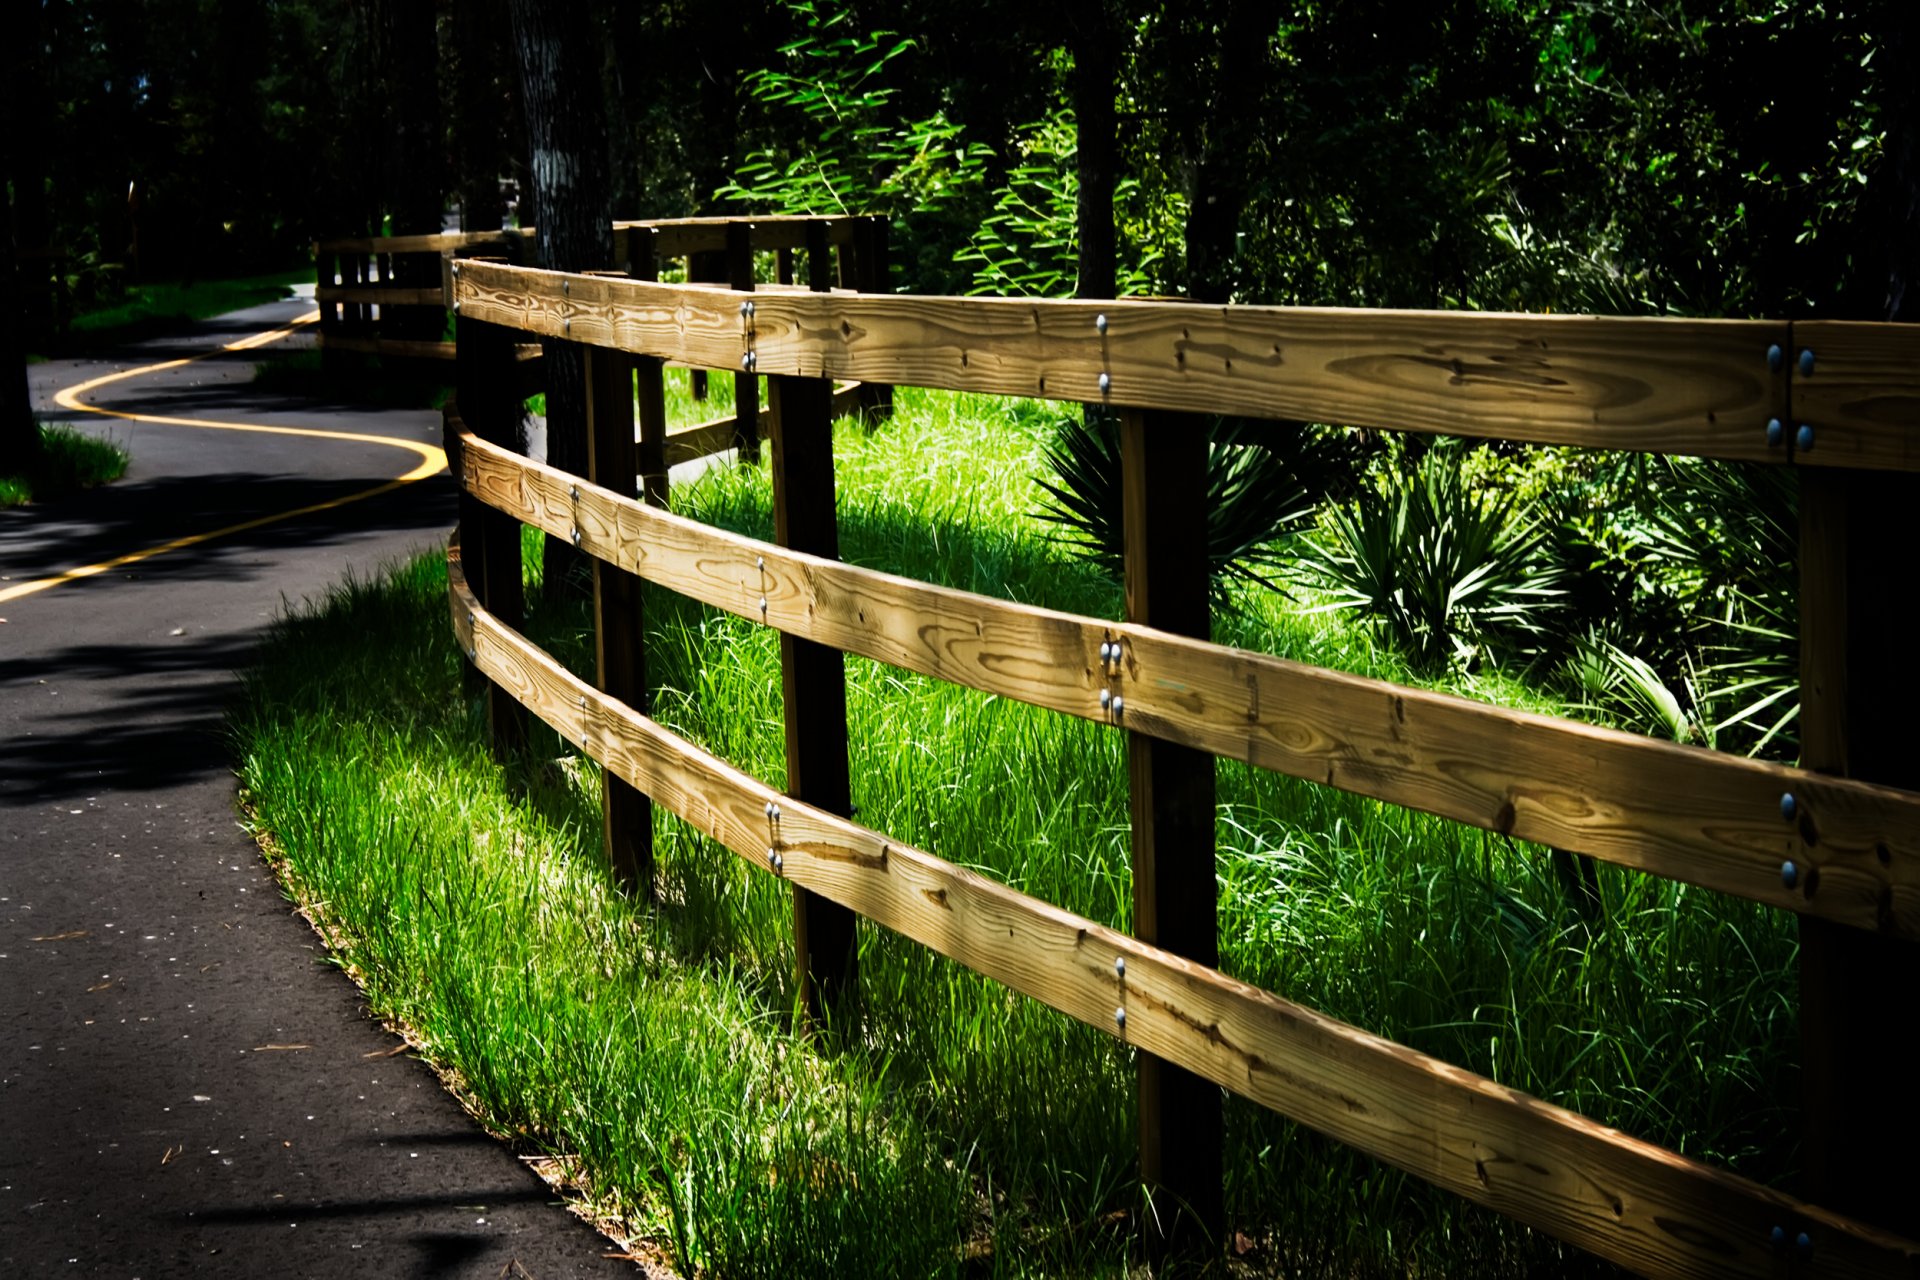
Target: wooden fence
(1840,402)
(386,296)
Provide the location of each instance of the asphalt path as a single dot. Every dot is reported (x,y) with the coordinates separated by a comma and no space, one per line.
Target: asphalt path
(186,1085)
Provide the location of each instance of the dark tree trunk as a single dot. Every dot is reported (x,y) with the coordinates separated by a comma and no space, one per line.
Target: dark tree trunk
(560,92)
(19,433)
(480,111)
(30,281)
(1095,46)
(1232,121)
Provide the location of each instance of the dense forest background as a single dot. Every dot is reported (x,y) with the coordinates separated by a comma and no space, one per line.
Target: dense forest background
(1614,156)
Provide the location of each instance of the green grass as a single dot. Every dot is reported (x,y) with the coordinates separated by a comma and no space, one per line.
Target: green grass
(151,308)
(68,463)
(652,1047)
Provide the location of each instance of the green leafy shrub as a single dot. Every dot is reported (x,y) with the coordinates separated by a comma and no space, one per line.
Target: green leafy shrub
(1437,564)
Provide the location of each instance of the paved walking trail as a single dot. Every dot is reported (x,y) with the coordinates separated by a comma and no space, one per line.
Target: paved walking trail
(186,1087)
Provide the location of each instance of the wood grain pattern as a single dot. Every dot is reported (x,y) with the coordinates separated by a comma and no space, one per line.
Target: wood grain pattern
(1658,385)
(1682,812)
(1637,1204)
(1862,398)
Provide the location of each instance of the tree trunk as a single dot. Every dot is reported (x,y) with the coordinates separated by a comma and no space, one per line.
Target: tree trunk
(560,92)
(480,111)
(1095,49)
(19,433)
(1220,181)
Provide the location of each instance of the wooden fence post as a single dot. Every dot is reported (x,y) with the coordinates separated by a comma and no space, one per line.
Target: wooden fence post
(872,273)
(619,639)
(746,383)
(1164,480)
(813,684)
(703,267)
(489,404)
(649,380)
(1859,702)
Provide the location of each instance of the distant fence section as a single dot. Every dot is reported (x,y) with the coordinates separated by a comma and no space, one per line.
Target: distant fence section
(385,296)
(1836,401)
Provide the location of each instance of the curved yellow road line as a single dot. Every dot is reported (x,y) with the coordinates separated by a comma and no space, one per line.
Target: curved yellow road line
(432,459)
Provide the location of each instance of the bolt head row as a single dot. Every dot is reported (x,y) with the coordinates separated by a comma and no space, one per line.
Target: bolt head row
(746,309)
(748,361)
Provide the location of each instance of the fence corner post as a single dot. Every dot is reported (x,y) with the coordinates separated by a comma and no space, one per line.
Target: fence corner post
(1171,792)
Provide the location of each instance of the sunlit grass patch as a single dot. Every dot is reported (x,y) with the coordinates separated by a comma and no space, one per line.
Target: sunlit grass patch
(69,461)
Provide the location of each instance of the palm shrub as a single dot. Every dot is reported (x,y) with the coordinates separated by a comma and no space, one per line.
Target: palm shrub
(1438,565)
(1684,606)
(1259,489)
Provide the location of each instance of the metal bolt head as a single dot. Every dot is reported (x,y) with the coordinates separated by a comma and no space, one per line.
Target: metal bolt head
(1803,1245)
(1106,699)
(573,491)
(576,537)
(1788,805)
(1789,874)
(769,808)
(566,286)
(1779,1237)
(1806,362)
(456,268)
(1119,966)
(1776,360)
(1776,432)
(1120,1017)
(1100,322)
(759,562)
(746,309)
(1119,706)
(456,306)
(583,702)
(1803,438)
(763,604)
(1106,383)
(776,813)
(566,325)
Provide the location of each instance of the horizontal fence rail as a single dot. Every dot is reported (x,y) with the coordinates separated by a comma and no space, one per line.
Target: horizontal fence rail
(1710,388)
(1837,851)
(1626,1200)
(1686,813)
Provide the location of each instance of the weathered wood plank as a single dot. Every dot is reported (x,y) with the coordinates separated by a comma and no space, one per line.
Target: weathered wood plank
(1661,385)
(440,243)
(1683,812)
(1861,400)
(1627,1200)
(1171,798)
(379,295)
(678,237)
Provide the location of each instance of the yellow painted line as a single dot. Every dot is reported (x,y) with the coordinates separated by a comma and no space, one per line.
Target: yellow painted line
(432,459)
